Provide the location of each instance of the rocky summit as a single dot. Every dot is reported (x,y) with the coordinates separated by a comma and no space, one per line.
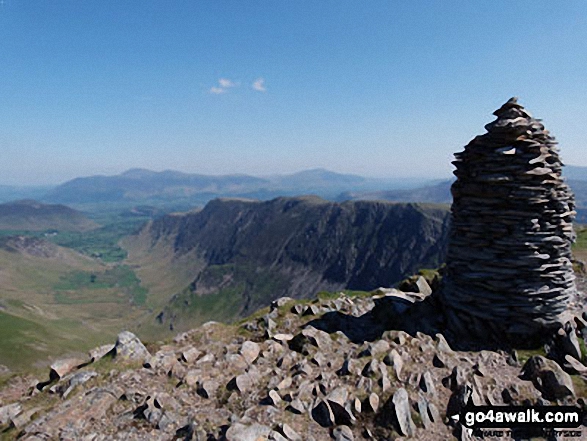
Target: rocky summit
(509,272)
(298,370)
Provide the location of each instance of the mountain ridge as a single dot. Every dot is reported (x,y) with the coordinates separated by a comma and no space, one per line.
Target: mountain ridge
(248,253)
(28,214)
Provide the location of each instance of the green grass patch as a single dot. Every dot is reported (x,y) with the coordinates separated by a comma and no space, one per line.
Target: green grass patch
(101,243)
(580,386)
(77,286)
(16,335)
(583,348)
(525,354)
(327,295)
(581,242)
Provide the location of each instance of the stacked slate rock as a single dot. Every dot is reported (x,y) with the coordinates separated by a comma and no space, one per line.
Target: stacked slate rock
(509,274)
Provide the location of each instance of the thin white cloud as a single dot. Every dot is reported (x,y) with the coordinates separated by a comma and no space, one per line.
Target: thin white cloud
(225,83)
(217,90)
(259,85)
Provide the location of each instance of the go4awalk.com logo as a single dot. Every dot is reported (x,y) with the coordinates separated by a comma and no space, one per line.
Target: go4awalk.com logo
(557,421)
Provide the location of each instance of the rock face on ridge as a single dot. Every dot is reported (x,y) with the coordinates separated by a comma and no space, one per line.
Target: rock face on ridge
(257,251)
(509,271)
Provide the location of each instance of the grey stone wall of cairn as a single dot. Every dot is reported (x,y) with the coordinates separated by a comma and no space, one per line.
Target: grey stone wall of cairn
(509,275)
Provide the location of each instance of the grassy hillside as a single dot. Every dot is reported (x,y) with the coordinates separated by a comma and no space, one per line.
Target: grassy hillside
(35,216)
(580,246)
(60,301)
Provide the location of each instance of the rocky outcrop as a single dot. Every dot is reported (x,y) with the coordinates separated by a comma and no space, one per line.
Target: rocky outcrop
(309,381)
(509,274)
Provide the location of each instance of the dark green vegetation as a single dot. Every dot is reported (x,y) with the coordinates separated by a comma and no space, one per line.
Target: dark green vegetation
(101,242)
(242,254)
(222,292)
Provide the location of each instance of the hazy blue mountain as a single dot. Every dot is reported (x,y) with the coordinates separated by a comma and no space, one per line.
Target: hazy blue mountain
(440,192)
(16,192)
(575,172)
(146,187)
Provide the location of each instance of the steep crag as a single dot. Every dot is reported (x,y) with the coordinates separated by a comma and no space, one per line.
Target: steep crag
(249,253)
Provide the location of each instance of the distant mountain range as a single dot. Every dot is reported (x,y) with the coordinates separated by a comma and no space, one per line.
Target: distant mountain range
(176,191)
(35,216)
(440,192)
(140,186)
(235,256)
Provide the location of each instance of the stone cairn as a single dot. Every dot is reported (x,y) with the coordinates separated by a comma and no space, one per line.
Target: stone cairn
(509,275)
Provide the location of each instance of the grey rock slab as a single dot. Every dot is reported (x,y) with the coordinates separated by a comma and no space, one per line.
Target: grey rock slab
(274,397)
(190,355)
(278,303)
(290,433)
(434,413)
(99,352)
(371,403)
(241,432)
(427,383)
(442,345)
(285,383)
(250,351)
(403,414)
(282,337)
(423,286)
(60,368)
(423,411)
(380,347)
(208,388)
(576,365)
(9,411)
(129,347)
(343,433)
(69,382)
(397,363)
(296,406)
(208,358)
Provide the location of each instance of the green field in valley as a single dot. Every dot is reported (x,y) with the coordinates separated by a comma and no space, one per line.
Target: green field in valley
(81,296)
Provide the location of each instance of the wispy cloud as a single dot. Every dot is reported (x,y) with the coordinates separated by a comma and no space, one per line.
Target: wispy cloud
(217,90)
(259,85)
(223,85)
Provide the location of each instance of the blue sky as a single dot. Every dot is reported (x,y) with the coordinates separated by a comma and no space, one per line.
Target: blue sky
(377,88)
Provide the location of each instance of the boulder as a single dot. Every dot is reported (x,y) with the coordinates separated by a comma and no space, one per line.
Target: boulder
(242,432)
(403,416)
(250,351)
(62,367)
(548,377)
(128,347)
